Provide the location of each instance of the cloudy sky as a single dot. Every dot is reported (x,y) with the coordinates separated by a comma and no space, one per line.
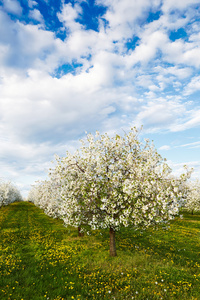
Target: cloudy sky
(67,67)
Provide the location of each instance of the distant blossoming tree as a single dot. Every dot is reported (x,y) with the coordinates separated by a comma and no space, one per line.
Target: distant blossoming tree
(8,193)
(118,181)
(46,195)
(193,197)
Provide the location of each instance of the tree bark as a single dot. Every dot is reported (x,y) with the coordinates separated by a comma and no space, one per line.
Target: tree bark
(79,232)
(112,243)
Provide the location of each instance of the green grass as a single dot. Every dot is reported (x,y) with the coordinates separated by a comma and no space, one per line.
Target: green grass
(41,259)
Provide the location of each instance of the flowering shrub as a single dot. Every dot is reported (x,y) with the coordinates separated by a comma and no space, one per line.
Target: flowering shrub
(8,193)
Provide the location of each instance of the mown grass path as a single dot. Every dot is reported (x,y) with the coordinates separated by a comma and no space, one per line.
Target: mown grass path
(41,259)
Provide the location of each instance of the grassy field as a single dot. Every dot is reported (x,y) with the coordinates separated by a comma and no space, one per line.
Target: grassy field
(41,259)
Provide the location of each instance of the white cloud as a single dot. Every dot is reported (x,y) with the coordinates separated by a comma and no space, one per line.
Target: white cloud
(82,43)
(180,73)
(145,81)
(32,3)
(160,113)
(50,108)
(68,16)
(192,121)
(190,145)
(193,86)
(180,52)
(12,6)
(165,147)
(26,46)
(154,39)
(169,5)
(123,16)
(147,50)
(35,14)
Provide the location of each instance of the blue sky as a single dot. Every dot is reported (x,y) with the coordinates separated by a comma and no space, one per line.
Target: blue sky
(67,67)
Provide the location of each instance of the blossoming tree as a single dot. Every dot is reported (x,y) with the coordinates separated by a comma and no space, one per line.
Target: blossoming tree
(118,181)
(193,197)
(46,195)
(8,193)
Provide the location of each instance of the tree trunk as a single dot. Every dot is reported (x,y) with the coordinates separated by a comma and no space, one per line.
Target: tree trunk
(79,232)
(112,243)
